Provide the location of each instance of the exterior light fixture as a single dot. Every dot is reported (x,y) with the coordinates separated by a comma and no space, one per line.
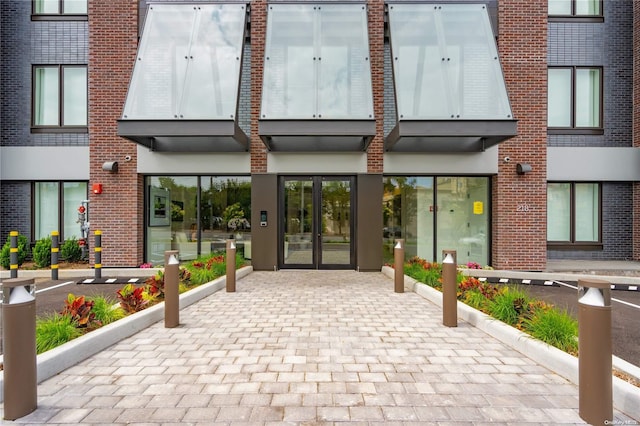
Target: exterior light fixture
(523,168)
(110,166)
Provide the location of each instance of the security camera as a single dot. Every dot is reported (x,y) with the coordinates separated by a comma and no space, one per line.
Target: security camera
(127,158)
(507,159)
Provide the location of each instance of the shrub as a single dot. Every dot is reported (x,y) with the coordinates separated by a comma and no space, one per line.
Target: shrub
(154,286)
(554,327)
(71,250)
(508,305)
(80,312)
(476,300)
(105,311)
(132,299)
(54,330)
(42,252)
(23,251)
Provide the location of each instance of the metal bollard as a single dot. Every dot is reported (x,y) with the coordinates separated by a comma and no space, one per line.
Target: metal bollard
(398,266)
(449,290)
(595,380)
(231,266)
(171,292)
(19,336)
(55,249)
(98,252)
(13,253)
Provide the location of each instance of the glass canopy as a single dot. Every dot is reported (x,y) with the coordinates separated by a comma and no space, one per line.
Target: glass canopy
(449,88)
(187,69)
(317,72)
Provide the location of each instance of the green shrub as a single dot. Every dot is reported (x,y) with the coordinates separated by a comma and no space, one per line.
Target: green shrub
(555,327)
(71,250)
(23,251)
(476,299)
(42,252)
(54,330)
(105,311)
(508,305)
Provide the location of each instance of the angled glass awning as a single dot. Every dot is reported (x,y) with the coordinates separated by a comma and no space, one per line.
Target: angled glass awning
(449,89)
(184,90)
(316,93)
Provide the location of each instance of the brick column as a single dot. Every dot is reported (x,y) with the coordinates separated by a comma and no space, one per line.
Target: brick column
(519,202)
(118,211)
(376,49)
(636,125)
(258,39)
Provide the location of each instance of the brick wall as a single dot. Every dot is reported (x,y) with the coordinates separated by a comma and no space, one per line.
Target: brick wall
(636,125)
(376,50)
(118,211)
(519,202)
(258,34)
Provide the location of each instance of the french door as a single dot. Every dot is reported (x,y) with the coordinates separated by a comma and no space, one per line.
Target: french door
(316,222)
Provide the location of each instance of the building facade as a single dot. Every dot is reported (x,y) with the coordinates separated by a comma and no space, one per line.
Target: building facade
(318,133)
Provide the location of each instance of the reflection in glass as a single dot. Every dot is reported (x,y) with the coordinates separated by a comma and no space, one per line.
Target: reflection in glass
(188,63)
(587,212)
(559,97)
(298,222)
(587,97)
(336,222)
(73,195)
(317,63)
(46,108)
(46,209)
(558,212)
(445,63)
(75,96)
(78,7)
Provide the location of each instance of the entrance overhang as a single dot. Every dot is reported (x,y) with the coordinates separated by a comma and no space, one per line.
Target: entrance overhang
(317,135)
(448,135)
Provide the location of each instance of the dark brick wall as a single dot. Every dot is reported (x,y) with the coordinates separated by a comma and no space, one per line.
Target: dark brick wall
(15,209)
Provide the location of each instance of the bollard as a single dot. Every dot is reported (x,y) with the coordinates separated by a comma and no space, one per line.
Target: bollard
(398,266)
(595,381)
(98,251)
(449,290)
(55,249)
(171,292)
(13,253)
(19,343)
(231,266)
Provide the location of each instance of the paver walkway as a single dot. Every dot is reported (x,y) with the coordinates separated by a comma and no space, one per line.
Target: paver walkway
(299,347)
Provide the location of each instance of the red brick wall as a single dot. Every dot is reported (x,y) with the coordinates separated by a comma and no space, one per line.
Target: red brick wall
(258,38)
(519,202)
(118,211)
(376,49)
(636,125)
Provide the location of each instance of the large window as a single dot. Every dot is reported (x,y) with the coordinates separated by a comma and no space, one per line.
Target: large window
(573,213)
(575,8)
(55,208)
(574,99)
(197,214)
(437,213)
(60,97)
(60,7)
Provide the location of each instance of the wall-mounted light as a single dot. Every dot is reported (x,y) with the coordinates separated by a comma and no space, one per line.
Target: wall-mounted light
(96,188)
(522,168)
(110,166)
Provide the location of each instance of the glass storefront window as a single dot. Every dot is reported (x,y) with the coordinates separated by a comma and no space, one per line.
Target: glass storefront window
(433,214)
(196,215)
(48,199)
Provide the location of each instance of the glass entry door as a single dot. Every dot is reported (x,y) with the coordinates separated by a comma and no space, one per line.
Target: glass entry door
(316,222)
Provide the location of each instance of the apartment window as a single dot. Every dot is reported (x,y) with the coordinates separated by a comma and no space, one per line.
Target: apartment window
(60,97)
(575,8)
(574,213)
(55,206)
(65,8)
(574,100)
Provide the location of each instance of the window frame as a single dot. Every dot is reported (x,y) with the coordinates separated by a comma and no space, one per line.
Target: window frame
(60,16)
(573,129)
(60,127)
(572,244)
(573,17)
(60,206)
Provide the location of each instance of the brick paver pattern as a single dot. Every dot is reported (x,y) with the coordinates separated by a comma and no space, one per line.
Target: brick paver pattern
(308,347)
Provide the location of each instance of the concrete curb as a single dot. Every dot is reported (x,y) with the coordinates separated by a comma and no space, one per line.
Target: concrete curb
(626,397)
(64,356)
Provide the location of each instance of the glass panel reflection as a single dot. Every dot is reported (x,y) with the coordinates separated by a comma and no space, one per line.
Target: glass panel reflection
(445,63)
(317,63)
(336,222)
(298,222)
(188,63)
